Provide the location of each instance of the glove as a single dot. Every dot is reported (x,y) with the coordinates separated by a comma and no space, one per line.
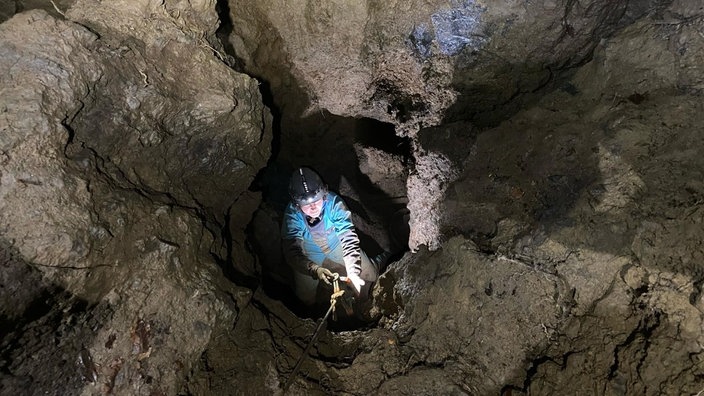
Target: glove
(324,274)
(356,281)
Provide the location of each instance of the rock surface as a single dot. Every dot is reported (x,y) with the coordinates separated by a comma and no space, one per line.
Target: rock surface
(414,65)
(125,151)
(408,63)
(555,218)
(563,264)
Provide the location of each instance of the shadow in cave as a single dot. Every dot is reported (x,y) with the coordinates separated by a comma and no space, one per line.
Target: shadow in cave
(518,85)
(330,151)
(338,162)
(572,178)
(515,87)
(44,332)
(306,136)
(222,7)
(534,173)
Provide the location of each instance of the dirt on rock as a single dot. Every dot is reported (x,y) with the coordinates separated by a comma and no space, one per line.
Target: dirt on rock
(546,169)
(563,261)
(116,261)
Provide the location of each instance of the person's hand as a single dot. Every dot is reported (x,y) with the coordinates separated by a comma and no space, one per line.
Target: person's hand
(356,281)
(324,274)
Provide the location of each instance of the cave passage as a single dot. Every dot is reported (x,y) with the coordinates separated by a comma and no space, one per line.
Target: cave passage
(360,159)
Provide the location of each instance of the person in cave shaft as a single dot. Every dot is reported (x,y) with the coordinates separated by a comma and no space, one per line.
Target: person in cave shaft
(319,239)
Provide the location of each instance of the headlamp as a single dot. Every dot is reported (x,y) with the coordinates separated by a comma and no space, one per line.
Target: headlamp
(311,198)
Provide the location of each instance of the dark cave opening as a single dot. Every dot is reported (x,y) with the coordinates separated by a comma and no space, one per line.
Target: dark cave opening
(382,135)
(340,159)
(43,323)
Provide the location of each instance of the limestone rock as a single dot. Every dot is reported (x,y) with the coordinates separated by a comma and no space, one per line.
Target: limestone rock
(123,155)
(417,63)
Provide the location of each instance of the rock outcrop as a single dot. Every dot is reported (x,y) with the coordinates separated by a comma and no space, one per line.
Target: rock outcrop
(126,150)
(415,65)
(550,162)
(563,262)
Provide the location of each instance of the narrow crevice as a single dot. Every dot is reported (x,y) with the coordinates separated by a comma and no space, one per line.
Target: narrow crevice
(532,371)
(642,333)
(267,93)
(222,7)
(223,33)
(696,295)
(225,263)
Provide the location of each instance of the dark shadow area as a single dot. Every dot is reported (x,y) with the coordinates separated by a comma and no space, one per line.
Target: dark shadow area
(515,86)
(531,174)
(222,7)
(44,332)
(381,135)
(330,151)
(304,136)
(337,161)
(223,33)
(521,171)
(575,181)
(9,8)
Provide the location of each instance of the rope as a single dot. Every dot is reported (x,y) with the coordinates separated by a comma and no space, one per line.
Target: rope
(337,292)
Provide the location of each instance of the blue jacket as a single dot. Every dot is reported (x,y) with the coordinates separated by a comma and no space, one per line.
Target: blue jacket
(339,241)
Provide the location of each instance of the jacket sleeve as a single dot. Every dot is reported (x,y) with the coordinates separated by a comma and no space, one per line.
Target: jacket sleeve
(292,241)
(342,220)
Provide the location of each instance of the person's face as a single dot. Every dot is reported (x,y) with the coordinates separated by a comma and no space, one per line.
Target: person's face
(313,209)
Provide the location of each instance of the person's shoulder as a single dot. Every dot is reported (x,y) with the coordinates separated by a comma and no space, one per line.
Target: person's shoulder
(335,204)
(291,210)
(334,199)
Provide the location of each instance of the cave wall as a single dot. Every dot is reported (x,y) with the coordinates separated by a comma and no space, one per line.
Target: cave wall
(414,65)
(597,190)
(128,147)
(553,262)
(560,261)
(407,63)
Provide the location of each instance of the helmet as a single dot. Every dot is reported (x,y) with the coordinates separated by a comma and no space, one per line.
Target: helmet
(306,187)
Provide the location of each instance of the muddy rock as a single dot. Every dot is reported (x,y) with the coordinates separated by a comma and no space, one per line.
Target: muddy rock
(105,136)
(596,216)
(419,63)
(472,315)
(548,154)
(566,250)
